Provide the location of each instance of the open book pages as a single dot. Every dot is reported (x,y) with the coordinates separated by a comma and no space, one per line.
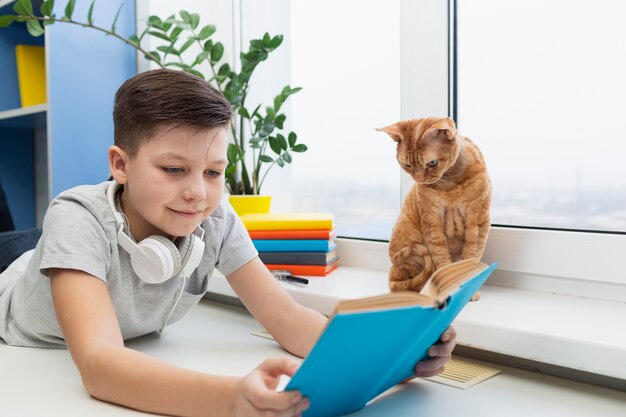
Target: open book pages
(447,279)
(439,286)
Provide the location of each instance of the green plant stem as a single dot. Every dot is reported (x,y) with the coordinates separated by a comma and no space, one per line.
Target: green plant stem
(108,32)
(265,175)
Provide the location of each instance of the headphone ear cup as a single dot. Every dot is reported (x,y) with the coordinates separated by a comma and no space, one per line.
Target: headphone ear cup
(156,260)
(184,251)
(192,251)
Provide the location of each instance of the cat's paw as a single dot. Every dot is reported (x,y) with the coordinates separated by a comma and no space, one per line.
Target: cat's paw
(476,296)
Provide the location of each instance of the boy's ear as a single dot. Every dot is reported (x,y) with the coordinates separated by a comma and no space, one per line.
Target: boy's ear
(117,164)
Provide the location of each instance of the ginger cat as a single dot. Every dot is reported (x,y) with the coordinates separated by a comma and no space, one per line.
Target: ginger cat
(445,216)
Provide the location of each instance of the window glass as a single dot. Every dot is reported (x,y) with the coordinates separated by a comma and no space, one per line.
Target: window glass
(346,57)
(541,90)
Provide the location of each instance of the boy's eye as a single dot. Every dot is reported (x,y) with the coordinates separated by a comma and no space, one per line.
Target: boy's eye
(172,170)
(213,174)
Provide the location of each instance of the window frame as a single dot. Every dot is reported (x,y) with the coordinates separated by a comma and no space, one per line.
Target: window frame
(579,263)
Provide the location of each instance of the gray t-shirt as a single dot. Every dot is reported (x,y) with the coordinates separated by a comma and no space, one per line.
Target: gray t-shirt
(79,233)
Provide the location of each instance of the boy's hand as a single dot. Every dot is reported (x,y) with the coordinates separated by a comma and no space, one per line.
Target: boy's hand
(255,393)
(440,353)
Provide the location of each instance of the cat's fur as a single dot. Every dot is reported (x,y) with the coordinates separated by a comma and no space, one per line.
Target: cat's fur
(445,216)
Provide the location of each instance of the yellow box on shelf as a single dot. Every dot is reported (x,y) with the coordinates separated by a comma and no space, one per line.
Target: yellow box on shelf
(31,74)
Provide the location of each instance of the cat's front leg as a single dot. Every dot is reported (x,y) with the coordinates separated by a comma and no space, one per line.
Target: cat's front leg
(476,230)
(435,239)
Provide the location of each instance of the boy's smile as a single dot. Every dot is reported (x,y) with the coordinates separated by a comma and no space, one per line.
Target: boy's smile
(174,182)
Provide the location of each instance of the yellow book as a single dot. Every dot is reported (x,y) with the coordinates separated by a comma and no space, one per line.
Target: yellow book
(288,221)
(31,73)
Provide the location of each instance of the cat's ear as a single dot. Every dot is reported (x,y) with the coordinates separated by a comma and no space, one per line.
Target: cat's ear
(394,131)
(444,129)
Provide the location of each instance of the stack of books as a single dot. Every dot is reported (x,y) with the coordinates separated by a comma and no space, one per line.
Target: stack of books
(301,243)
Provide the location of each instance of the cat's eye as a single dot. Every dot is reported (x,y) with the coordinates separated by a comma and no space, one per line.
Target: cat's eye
(405,165)
(432,163)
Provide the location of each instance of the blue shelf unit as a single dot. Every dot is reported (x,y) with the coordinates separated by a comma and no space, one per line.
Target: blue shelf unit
(63,144)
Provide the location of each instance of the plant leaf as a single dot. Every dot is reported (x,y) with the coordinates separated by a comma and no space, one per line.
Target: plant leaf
(224,69)
(167,24)
(265,158)
(279,120)
(195,20)
(47,7)
(300,147)
(176,33)
(23,7)
(275,145)
(244,112)
(187,44)
(185,16)
(117,15)
(217,52)
(159,35)
(280,162)
(201,57)
(90,13)
(69,9)
(292,139)
(134,39)
(286,157)
(206,32)
(282,142)
(6,20)
(153,56)
(267,39)
(232,153)
(177,64)
(34,28)
(276,41)
(194,72)
(168,50)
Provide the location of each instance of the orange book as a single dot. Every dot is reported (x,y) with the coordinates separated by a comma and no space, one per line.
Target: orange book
(311,270)
(292,234)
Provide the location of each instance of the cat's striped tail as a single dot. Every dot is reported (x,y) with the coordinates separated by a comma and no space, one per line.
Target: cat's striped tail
(411,267)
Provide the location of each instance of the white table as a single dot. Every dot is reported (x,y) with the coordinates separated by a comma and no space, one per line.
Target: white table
(216,338)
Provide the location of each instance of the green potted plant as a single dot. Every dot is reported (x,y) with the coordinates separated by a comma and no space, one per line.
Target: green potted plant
(258,140)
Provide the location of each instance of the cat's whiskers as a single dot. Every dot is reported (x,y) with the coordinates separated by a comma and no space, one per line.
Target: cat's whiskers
(444,184)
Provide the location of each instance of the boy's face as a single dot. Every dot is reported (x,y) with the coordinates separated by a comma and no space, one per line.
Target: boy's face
(175,181)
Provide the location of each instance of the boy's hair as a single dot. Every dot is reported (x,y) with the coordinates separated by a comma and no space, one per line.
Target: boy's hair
(165,97)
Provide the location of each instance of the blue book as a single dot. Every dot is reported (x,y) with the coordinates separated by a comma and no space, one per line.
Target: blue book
(371,344)
(294,245)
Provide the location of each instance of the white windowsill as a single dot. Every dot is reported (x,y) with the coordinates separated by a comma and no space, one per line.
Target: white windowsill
(567,331)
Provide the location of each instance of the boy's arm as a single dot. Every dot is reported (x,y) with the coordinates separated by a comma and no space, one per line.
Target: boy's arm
(295,328)
(116,374)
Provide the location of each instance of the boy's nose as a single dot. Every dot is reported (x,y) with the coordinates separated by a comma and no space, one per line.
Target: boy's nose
(195,189)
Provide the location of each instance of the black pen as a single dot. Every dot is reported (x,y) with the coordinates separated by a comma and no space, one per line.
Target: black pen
(283,275)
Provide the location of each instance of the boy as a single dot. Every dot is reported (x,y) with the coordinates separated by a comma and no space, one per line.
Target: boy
(125,258)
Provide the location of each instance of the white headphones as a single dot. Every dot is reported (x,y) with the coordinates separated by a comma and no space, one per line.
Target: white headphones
(156,258)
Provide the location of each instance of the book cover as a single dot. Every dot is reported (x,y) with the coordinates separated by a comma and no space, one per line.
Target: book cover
(295,245)
(310,270)
(299,258)
(288,221)
(292,234)
(31,74)
(371,346)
